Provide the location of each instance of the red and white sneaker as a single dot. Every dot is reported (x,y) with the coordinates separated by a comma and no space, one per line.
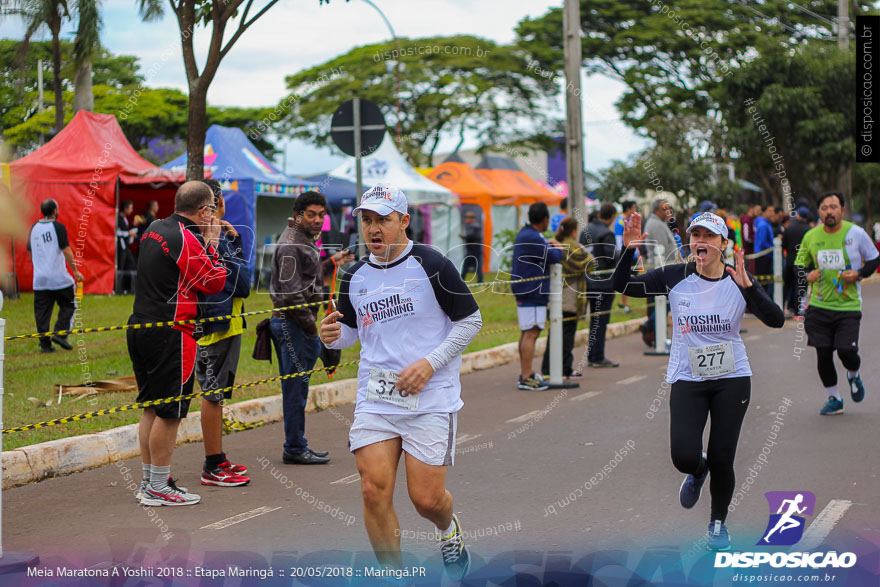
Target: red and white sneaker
(233,468)
(223,478)
(168,496)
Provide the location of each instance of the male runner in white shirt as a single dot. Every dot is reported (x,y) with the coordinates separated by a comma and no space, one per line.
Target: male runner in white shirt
(414,316)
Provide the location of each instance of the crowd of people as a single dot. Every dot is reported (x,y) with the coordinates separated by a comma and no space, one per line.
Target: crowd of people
(413,314)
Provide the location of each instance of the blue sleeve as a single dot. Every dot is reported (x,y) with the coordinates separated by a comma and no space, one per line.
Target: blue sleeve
(238,269)
(553,255)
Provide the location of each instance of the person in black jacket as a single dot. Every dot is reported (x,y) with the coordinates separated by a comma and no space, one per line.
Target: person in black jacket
(220,347)
(600,241)
(791,241)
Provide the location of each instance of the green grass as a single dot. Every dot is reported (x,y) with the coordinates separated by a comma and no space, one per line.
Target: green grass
(29,373)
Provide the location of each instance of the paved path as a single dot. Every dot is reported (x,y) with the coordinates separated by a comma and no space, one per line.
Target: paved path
(541,480)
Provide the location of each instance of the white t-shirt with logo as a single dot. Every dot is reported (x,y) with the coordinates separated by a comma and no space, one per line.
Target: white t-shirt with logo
(402,311)
(47,240)
(706,318)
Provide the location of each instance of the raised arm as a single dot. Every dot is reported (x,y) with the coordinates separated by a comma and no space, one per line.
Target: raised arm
(653,282)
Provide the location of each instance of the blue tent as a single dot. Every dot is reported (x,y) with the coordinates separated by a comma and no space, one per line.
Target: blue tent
(339,192)
(259,197)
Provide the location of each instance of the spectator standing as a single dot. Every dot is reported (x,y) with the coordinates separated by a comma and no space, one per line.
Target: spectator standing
(601,243)
(657,228)
(748,227)
(473,246)
(532,257)
(50,249)
(575,261)
(556,219)
(297,278)
(125,235)
(143,221)
(629,206)
(763,241)
(178,261)
(220,347)
(791,242)
(659,235)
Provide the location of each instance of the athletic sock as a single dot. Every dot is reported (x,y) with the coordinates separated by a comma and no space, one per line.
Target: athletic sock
(449,530)
(159,477)
(852,374)
(213,461)
(832,392)
(146,470)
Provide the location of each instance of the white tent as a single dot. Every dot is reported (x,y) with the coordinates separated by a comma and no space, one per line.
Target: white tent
(388,167)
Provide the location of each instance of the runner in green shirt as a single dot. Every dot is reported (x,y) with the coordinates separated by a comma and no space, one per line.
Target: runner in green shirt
(835,256)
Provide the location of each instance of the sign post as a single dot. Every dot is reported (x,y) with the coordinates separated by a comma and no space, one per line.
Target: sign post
(358,128)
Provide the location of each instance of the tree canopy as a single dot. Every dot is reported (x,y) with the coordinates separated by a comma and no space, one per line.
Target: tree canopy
(447,85)
(145,114)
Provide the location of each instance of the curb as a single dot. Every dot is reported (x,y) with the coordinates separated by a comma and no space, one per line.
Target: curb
(64,456)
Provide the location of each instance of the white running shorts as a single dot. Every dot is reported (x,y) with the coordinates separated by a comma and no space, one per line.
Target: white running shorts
(531,316)
(429,437)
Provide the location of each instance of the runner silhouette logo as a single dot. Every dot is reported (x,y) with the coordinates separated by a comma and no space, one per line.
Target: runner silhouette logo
(786,525)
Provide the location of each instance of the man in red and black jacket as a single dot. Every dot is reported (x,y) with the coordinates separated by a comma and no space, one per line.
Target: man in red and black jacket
(177,261)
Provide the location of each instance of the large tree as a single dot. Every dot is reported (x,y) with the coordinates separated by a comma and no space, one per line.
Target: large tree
(684,160)
(670,55)
(85,45)
(146,115)
(789,116)
(426,88)
(37,14)
(216,15)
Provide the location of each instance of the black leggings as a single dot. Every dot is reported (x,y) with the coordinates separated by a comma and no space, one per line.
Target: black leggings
(690,403)
(827,370)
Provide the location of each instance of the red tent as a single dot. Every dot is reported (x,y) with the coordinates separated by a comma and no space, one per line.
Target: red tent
(88,168)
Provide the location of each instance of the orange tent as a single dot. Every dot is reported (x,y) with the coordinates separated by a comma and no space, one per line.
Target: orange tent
(472,188)
(518,187)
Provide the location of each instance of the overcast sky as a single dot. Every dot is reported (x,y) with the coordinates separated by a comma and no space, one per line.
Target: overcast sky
(297,34)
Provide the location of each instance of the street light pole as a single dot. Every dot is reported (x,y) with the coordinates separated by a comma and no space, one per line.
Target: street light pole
(574,130)
(396,62)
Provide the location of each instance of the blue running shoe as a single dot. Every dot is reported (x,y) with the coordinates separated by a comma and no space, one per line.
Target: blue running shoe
(856,388)
(691,488)
(832,406)
(718,538)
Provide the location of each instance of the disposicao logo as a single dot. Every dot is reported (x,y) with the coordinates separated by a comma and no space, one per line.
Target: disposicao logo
(786,525)
(785,528)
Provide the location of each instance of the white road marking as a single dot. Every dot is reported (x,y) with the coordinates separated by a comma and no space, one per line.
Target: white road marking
(583,396)
(239,518)
(632,379)
(526,417)
(347,480)
(466,438)
(753,337)
(823,524)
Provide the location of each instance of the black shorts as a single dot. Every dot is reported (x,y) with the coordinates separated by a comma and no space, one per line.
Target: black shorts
(164,366)
(216,365)
(831,328)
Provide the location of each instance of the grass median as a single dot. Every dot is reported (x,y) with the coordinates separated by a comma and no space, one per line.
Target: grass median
(31,374)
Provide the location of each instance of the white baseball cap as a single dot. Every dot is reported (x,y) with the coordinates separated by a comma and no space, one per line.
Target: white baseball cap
(383,200)
(711,221)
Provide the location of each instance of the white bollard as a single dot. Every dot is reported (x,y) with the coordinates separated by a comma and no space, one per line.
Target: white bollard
(659,314)
(554,336)
(777,271)
(660,325)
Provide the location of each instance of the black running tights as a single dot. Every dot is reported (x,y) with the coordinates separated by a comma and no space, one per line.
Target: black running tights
(825,362)
(690,404)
